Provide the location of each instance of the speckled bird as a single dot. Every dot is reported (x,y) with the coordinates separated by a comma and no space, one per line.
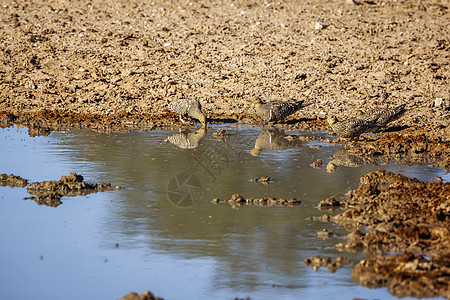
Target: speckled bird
(349,128)
(274,111)
(188,107)
(379,116)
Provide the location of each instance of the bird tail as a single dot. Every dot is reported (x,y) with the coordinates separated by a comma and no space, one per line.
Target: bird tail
(400,109)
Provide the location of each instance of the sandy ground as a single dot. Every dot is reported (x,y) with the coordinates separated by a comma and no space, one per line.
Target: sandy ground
(113,60)
(109,65)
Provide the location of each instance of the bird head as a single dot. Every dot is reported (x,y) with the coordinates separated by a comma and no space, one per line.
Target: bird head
(331,167)
(358,114)
(201,131)
(200,116)
(202,119)
(256,101)
(332,120)
(255,152)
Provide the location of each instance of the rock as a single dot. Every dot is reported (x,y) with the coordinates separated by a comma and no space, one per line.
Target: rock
(317,164)
(438,102)
(320,25)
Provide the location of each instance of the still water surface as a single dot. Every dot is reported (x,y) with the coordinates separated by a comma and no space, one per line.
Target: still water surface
(162,233)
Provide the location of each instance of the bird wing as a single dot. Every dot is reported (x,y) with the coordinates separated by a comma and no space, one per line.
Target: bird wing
(181,107)
(281,110)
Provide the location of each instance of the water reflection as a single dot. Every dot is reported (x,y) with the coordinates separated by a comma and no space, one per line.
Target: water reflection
(345,158)
(187,139)
(272,139)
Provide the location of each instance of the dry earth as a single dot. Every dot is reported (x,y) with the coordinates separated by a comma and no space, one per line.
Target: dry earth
(114,62)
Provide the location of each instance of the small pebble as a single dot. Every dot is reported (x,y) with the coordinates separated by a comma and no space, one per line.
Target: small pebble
(438,102)
(320,25)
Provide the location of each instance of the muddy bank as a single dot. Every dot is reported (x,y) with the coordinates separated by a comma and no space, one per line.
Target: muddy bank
(412,146)
(49,193)
(402,225)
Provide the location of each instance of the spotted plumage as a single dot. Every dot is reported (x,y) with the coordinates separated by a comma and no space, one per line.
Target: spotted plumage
(270,139)
(380,117)
(344,158)
(188,107)
(274,111)
(349,128)
(187,139)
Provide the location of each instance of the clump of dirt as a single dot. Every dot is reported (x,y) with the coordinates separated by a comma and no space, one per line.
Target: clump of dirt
(330,203)
(237,201)
(406,275)
(12,180)
(49,193)
(333,264)
(147,295)
(392,213)
(317,164)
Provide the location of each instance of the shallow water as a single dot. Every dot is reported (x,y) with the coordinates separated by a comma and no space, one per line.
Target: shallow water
(162,233)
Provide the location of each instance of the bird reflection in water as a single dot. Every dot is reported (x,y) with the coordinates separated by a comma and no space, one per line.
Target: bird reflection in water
(346,159)
(187,139)
(272,139)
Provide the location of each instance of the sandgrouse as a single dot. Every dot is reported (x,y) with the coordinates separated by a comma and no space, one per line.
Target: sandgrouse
(274,111)
(188,107)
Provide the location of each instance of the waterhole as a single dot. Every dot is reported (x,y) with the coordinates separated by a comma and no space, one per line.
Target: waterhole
(162,232)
